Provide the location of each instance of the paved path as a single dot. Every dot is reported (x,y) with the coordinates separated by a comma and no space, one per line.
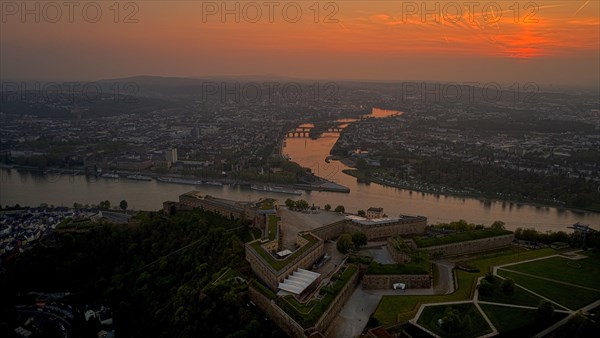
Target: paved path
(353,317)
(422,307)
(550,280)
(566,319)
(380,255)
(518,306)
(446,278)
(476,302)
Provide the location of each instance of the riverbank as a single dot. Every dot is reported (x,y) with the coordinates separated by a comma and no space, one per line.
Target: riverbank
(320,184)
(487,198)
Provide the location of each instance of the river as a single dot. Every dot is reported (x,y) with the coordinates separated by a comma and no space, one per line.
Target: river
(31,189)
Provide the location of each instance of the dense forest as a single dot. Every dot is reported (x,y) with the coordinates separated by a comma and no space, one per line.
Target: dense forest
(158,276)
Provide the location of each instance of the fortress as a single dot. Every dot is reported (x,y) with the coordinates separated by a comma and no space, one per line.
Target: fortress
(375,228)
(273,267)
(284,281)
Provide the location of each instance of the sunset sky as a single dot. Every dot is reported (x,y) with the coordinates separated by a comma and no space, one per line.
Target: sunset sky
(548,42)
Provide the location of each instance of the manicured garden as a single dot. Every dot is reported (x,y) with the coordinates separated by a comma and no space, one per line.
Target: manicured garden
(569,296)
(398,309)
(584,272)
(524,322)
(456,320)
(518,296)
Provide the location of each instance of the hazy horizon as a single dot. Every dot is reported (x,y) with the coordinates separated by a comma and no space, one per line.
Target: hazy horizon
(550,43)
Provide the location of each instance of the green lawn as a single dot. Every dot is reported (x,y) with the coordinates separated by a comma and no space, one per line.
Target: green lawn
(278,264)
(584,272)
(523,322)
(431,314)
(519,297)
(571,297)
(272,227)
(423,242)
(421,268)
(398,309)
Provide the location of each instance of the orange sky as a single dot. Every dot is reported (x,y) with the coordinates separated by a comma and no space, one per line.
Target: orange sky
(548,42)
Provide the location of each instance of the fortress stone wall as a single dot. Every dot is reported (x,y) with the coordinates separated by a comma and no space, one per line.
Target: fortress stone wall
(286,323)
(324,323)
(470,247)
(403,226)
(386,282)
(397,256)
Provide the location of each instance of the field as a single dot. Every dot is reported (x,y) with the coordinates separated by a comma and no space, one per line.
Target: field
(519,297)
(571,297)
(512,320)
(571,283)
(431,314)
(395,309)
(584,272)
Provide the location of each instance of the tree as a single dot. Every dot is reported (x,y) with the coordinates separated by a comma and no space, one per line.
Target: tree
(104,205)
(123,205)
(327,207)
(485,288)
(290,203)
(302,204)
(545,309)
(361,213)
(498,225)
(344,243)
(508,286)
(361,164)
(359,239)
(68,240)
(340,209)
(580,325)
(450,320)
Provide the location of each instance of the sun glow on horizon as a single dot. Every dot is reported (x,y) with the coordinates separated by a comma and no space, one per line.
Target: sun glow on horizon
(364,37)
